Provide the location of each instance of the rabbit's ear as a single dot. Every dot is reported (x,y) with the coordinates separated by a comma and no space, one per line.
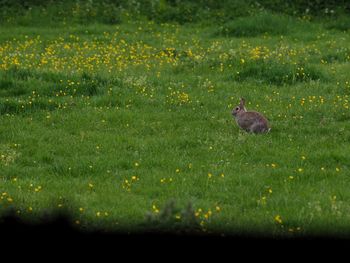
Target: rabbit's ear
(242,103)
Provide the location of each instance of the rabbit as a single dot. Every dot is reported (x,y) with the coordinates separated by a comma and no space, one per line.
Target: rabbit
(250,121)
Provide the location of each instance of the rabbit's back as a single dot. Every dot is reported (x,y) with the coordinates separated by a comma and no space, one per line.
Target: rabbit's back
(253,121)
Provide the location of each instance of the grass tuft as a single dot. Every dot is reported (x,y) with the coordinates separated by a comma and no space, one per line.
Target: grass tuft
(260,24)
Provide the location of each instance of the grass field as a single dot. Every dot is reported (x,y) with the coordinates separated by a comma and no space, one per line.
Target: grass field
(112,122)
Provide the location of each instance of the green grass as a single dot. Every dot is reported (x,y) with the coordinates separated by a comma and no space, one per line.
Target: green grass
(110,123)
(341,23)
(260,24)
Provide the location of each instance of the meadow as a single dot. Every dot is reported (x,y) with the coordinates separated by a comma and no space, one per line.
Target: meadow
(127,126)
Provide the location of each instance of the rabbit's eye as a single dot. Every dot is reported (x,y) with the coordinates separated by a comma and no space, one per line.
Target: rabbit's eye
(237,108)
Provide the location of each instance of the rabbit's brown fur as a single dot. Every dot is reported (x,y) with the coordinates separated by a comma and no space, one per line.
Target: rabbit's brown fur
(250,121)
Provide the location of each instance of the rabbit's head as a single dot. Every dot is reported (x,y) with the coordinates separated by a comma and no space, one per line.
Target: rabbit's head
(240,108)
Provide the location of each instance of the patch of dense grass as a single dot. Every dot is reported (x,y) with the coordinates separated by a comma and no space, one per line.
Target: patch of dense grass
(111,12)
(260,24)
(339,55)
(341,23)
(271,72)
(109,123)
(59,13)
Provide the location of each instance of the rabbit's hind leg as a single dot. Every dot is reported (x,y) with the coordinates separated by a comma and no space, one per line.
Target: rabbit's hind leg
(259,128)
